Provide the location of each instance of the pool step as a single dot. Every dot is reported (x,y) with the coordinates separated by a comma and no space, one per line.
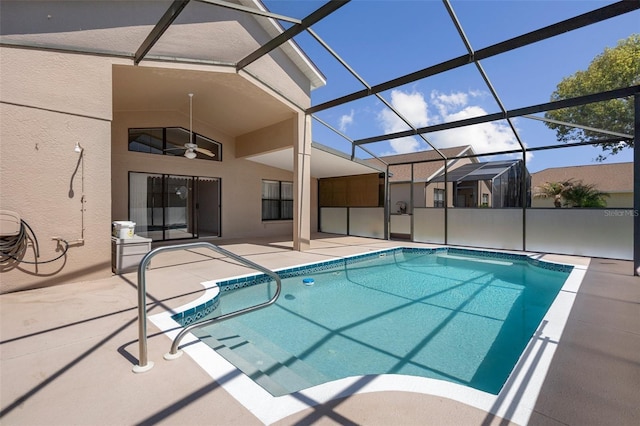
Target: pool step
(474,259)
(274,369)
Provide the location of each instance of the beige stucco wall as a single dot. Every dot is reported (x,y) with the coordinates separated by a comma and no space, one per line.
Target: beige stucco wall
(48,105)
(271,138)
(429,189)
(241,179)
(401,192)
(620,200)
(484,187)
(51,100)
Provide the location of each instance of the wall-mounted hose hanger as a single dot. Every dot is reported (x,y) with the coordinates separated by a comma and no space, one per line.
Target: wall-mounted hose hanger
(15,235)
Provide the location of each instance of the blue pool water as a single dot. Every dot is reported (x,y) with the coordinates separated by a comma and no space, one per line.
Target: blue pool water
(449,314)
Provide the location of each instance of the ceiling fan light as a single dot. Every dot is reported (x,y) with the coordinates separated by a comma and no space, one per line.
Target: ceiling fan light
(190,154)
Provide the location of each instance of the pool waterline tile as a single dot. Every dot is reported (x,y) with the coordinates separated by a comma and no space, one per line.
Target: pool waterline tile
(194,314)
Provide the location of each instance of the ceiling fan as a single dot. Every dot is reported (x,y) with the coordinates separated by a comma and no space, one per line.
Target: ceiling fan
(191,148)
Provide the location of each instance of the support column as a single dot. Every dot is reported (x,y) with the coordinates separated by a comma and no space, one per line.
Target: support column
(636,186)
(387,207)
(302,184)
(446,202)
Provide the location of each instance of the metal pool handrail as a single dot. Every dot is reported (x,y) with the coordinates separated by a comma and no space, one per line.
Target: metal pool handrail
(144,363)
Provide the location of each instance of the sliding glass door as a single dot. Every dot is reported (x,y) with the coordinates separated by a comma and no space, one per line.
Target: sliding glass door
(171,207)
(178,210)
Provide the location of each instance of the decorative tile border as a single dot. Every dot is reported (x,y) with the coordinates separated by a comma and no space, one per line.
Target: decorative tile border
(199,312)
(560,267)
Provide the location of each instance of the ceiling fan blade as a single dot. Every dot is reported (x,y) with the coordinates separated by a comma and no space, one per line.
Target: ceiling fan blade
(205,151)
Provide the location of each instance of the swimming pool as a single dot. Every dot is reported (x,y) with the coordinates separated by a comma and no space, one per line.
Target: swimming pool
(463,316)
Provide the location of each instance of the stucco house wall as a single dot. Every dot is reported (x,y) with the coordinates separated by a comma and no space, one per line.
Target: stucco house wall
(429,190)
(429,187)
(49,105)
(51,100)
(484,187)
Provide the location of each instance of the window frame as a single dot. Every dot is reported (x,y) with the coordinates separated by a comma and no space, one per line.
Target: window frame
(171,149)
(485,200)
(280,202)
(438,197)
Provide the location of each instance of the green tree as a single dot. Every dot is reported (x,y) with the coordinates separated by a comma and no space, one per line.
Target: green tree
(570,193)
(584,195)
(615,68)
(554,190)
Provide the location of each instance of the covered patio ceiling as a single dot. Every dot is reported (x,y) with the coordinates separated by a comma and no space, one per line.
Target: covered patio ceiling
(246,108)
(152,87)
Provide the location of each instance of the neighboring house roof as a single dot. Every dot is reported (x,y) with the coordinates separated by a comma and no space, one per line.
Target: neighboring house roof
(617,177)
(476,171)
(423,167)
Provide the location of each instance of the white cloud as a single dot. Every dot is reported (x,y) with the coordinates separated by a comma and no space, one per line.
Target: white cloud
(452,100)
(345,121)
(413,107)
(484,137)
(404,145)
(454,106)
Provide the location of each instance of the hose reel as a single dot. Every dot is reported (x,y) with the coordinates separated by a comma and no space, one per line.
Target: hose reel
(15,234)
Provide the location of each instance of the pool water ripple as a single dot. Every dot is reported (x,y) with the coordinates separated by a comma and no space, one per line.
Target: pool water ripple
(444,314)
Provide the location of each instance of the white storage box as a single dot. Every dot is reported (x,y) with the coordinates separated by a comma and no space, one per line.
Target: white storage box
(123,229)
(126,253)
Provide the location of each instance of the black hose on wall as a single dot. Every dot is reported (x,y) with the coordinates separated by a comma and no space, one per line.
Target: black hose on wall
(13,247)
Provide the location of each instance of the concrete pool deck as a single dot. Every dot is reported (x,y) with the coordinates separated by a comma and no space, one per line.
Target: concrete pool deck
(67,352)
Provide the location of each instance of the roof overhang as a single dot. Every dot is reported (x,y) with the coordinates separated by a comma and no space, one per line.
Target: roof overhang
(325,162)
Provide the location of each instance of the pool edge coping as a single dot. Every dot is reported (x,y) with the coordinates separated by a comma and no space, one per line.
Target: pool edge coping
(515,401)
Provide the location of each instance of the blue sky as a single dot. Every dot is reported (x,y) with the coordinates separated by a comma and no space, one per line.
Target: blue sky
(385,39)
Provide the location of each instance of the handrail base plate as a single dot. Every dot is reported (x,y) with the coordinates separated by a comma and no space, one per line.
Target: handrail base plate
(170,357)
(143,368)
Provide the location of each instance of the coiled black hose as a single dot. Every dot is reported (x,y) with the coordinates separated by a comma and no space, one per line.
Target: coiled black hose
(13,247)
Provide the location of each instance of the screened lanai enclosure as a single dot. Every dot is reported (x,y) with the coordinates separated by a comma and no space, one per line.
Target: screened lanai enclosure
(499,182)
(482,197)
(459,111)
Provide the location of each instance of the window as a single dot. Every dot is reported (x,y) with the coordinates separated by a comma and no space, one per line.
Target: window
(171,141)
(146,140)
(485,200)
(277,200)
(438,197)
